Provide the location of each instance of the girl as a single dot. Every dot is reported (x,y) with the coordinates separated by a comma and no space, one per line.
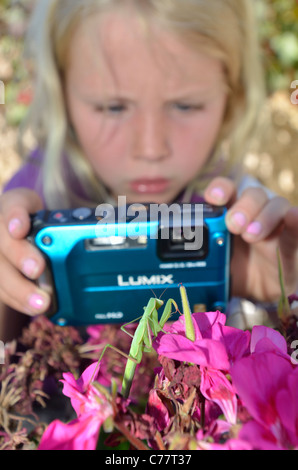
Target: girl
(154,100)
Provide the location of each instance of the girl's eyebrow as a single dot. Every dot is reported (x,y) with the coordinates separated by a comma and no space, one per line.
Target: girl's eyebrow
(95,95)
(170,97)
(199,93)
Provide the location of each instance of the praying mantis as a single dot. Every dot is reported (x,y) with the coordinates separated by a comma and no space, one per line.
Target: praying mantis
(142,339)
(148,328)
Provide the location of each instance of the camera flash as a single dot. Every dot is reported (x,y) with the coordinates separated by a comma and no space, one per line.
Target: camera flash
(220,241)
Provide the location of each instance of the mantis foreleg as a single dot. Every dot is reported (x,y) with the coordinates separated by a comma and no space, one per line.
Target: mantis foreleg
(102,354)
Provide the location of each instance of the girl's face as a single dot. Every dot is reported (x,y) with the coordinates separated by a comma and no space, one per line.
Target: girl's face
(146,109)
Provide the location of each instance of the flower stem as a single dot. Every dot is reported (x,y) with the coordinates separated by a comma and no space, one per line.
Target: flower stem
(284,309)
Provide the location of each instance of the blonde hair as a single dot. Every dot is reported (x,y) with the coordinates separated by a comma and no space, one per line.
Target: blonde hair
(224,28)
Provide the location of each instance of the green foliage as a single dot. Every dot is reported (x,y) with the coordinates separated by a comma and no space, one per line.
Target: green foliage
(279,40)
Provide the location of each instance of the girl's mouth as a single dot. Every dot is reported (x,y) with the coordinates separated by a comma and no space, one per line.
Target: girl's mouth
(150,185)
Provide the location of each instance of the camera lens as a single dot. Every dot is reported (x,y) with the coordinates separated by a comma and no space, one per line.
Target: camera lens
(188,242)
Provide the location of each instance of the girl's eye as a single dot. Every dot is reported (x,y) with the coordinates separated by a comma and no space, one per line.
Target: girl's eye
(186,107)
(111,108)
(116,108)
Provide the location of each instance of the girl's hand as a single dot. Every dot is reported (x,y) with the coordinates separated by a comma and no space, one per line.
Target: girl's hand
(260,225)
(20,262)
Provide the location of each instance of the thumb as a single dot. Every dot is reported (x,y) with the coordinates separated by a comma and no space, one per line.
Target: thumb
(16,206)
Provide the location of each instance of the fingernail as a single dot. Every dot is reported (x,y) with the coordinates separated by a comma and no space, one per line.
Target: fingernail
(37,302)
(218,194)
(254,228)
(30,268)
(238,219)
(14,225)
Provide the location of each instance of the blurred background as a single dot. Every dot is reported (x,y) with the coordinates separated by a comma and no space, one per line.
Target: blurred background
(273,156)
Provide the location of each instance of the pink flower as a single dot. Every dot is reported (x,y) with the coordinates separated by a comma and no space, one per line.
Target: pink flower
(213,437)
(236,341)
(207,352)
(215,349)
(266,339)
(84,396)
(216,346)
(267,384)
(92,407)
(231,444)
(157,409)
(80,434)
(216,387)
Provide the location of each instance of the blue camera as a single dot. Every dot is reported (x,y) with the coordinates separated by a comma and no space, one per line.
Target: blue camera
(103,264)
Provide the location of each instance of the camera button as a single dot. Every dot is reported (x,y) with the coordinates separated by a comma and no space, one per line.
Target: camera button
(59,217)
(47,240)
(82,213)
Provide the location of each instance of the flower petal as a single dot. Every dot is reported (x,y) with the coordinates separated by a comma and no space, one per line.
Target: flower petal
(205,352)
(257,379)
(217,388)
(266,339)
(81,434)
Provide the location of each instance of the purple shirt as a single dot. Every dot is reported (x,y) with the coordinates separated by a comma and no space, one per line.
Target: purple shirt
(29,175)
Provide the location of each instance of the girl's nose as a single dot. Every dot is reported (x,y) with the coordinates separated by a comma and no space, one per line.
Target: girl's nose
(151,138)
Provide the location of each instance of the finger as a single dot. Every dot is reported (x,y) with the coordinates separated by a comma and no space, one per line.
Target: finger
(21,294)
(16,205)
(269,222)
(245,210)
(22,255)
(221,191)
